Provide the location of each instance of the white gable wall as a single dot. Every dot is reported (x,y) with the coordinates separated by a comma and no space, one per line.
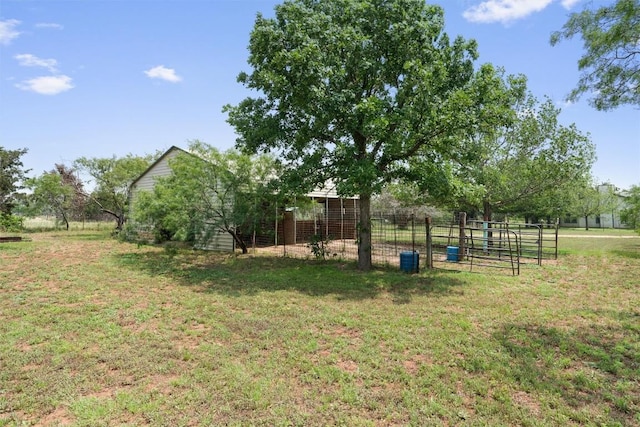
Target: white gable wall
(159,169)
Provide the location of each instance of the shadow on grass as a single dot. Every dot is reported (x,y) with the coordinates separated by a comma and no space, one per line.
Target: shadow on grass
(245,275)
(592,367)
(632,252)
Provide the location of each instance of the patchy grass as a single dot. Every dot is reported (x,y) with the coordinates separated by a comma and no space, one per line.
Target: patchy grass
(97,332)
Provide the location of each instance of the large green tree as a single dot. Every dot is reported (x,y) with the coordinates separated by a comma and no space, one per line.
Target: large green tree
(351,90)
(12,174)
(211,191)
(112,177)
(611,63)
(525,167)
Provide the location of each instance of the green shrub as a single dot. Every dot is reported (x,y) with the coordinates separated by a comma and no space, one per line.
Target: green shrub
(10,223)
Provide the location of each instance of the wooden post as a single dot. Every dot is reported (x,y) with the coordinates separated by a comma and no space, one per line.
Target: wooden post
(284,232)
(295,221)
(326,217)
(276,233)
(429,254)
(462,236)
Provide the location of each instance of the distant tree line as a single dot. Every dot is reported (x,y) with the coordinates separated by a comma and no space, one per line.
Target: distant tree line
(62,193)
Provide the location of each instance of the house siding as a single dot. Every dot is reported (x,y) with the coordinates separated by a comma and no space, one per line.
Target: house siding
(161,168)
(219,240)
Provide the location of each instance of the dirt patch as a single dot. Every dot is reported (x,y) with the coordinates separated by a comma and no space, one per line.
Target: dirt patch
(524,399)
(347,366)
(59,417)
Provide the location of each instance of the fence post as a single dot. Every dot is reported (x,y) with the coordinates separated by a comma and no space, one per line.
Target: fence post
(413,233)
(395,233)
(462,236)
(540,242)
(557,226)
(284,234)
(429,254)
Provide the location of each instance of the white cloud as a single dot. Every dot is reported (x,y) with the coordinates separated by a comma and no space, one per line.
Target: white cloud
(51,25)
(47,85)
(28,60)
(504,11)
(568,4)
(163,73)
(564,103)
(8,31)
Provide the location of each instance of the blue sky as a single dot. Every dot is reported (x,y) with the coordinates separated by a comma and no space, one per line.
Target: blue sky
(111,77)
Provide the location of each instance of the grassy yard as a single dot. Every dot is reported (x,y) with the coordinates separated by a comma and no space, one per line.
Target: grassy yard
(98,332)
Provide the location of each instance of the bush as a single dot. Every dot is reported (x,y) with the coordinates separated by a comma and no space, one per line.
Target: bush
(10,223)
(319,246)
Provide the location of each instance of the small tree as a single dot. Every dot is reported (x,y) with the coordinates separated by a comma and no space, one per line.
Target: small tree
(58,191)
(630,215)
(611,63)
(590,199)
(50,194)
(211,191)
(113,177)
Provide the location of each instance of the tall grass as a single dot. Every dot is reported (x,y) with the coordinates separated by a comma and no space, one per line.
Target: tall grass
(40,224)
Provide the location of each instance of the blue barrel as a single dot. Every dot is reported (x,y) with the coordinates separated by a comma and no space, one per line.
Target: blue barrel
(452,253)
(409,262)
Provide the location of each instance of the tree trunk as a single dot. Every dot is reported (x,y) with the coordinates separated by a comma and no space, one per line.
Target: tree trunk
(586,222)
(486,207)
(239,242)
(364,233)
(119,222)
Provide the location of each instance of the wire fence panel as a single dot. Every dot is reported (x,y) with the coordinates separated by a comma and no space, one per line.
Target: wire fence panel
(330,232)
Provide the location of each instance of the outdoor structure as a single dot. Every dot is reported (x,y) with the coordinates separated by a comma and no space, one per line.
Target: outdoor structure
(328,217)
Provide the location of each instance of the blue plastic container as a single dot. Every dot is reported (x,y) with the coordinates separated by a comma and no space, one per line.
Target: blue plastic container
(410,262)
(452,253)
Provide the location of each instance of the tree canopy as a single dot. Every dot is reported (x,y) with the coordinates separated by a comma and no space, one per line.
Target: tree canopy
(611,63)
(364,93)
(522,168)
(12,173)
